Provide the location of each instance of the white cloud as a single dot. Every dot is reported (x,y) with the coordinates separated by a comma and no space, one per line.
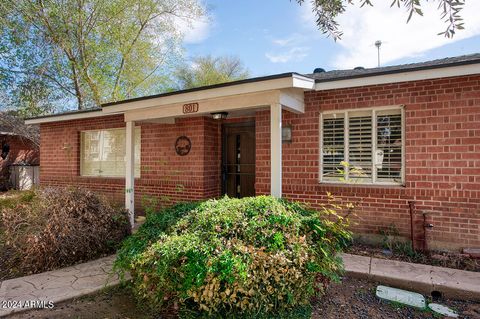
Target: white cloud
(363,26)
(282,42)
(293,54)
(194,31)
(290,48)
(293,39)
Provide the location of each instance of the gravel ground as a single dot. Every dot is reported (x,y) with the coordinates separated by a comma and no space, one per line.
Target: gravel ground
(352,298)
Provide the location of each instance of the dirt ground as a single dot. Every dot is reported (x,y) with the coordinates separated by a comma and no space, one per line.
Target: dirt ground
(355,298)
(352,298)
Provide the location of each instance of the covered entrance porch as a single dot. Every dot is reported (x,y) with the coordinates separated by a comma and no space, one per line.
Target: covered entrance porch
(284,93)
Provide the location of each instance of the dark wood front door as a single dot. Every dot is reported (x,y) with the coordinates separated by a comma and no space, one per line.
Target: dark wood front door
(238,167)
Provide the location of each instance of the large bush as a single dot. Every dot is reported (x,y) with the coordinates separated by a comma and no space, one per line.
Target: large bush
(251,257)
(51,228)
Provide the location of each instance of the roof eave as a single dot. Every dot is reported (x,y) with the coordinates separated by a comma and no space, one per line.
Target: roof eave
(395,71)
(419,74)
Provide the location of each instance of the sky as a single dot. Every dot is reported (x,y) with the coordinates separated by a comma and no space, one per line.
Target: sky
(276,36)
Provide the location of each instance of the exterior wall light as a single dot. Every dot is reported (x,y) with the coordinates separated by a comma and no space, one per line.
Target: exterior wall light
(287,134)
(219,115)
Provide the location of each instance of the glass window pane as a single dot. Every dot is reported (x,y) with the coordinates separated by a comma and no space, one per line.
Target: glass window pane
(138,151)
(389,146)
(90,161)
(103,153)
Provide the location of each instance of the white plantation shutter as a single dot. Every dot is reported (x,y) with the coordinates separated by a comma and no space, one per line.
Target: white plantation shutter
(103,153)
(371,141)
(333,145)
(360,145)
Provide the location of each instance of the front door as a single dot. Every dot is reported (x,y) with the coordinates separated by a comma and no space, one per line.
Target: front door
(238,164)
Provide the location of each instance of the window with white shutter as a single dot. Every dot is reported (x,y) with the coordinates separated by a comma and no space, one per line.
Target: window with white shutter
(333,145)
(103,153)
(371,142)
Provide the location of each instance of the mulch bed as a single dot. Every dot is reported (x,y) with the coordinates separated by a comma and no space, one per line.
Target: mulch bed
(434,258)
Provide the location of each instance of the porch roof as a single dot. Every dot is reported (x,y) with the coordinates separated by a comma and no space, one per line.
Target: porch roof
(286,89)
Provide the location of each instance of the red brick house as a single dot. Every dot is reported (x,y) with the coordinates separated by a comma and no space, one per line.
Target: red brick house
(16,150)
(414,130)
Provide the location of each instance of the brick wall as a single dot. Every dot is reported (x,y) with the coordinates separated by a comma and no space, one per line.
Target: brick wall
(442,158)
(164,174)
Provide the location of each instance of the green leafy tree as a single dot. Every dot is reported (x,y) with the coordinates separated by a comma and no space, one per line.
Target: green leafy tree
(91,51)
(327,11)
(208,70)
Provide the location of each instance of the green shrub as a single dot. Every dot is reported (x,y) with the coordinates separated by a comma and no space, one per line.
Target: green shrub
(253,257)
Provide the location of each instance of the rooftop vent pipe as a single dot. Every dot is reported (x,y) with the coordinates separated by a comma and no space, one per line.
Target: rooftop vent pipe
(319,70)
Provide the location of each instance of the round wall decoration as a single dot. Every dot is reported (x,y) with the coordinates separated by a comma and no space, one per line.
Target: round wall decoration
(183,145)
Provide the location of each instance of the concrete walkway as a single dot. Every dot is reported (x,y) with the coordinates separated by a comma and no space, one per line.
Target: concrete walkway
(83,279)
(57,285)
(451,283)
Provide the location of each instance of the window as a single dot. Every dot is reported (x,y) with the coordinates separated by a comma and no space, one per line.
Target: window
(103,153)
(370,141)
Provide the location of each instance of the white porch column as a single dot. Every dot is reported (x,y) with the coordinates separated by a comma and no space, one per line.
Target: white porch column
(276,150)
(130,170)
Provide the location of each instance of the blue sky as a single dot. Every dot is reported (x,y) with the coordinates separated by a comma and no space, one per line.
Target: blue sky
(275,36)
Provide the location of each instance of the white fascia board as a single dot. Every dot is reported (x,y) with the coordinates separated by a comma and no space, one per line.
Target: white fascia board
(229,103)
(400,77)
(66,117)
(302,82)
(295,81)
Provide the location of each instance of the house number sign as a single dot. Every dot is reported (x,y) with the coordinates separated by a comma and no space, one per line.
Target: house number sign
(190,108)
(183,145)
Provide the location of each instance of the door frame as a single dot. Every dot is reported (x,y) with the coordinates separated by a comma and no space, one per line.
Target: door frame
(223,174)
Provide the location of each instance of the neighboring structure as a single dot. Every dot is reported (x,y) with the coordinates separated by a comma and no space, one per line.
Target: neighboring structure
(414,130)
(19,160)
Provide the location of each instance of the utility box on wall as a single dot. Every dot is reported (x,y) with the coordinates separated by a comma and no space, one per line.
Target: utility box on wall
(24,177)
